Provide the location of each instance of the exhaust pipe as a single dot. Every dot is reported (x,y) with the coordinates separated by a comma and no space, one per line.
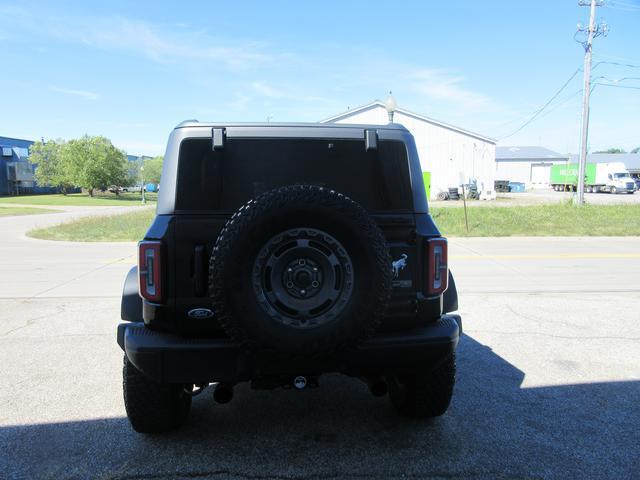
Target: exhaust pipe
(223,393)
(377,386)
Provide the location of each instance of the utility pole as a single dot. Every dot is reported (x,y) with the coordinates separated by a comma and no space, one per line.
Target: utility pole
(592,31)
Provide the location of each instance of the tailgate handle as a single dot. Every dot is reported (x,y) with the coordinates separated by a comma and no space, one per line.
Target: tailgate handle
(199,270)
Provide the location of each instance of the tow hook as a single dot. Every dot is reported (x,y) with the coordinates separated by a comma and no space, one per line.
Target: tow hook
(199,388)
(223,393)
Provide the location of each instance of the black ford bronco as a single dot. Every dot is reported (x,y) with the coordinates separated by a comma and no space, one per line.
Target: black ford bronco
(282,252)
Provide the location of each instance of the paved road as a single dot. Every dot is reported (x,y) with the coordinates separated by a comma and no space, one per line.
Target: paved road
(549,379)
(38,268)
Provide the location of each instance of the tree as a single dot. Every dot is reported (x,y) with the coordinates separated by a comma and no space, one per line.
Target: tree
(636,150)
(93,162)
(153,169)
(612,150)
(49,170)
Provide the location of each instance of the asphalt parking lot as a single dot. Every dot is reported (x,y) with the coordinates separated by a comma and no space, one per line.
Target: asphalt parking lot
(548,385)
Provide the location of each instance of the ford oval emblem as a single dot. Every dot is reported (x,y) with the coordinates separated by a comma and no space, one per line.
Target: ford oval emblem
(200,313)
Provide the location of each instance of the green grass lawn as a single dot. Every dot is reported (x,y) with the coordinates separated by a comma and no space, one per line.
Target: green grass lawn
(539,220)
(80,199)
(113,228)
(10,211)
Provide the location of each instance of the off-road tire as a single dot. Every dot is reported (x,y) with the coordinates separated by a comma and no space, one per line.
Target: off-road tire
(152,407)
(424,395)
(237,302)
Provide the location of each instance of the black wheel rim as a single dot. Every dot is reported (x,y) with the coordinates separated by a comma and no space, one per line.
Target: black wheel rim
(303,278)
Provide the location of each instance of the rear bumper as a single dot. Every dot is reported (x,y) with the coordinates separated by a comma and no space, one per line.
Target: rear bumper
(169,358)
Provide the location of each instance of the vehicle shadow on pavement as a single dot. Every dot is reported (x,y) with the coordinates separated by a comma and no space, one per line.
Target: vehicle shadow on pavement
(494,428)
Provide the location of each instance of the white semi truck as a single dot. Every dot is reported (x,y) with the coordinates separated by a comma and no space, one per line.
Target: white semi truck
(611,177)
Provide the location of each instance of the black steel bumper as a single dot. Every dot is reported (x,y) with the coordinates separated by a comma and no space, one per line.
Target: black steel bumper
(169,358)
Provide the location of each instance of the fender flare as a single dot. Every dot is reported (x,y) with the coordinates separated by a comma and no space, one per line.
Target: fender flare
(131,304)
(450,297)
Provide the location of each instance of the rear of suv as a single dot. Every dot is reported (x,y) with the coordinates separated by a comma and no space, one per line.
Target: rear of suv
(281,252)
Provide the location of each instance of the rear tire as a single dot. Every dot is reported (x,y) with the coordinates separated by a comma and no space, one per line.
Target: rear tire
(424,395)
(152,407)
(613,190)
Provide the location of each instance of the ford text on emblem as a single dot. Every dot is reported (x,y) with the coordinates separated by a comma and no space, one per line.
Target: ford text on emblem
(200,313)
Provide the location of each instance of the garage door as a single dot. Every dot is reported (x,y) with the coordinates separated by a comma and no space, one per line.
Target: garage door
(540,173)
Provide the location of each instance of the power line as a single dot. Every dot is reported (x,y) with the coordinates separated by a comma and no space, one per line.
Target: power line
(618,59)
(541,109)
(617,86)
(562,102)
(603,62)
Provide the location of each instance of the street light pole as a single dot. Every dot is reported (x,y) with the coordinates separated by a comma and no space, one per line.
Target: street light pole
(390,106)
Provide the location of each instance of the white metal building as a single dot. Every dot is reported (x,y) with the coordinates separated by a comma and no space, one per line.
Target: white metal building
(451,154)
(528,165)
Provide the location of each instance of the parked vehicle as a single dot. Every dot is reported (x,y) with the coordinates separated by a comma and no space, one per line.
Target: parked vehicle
(610,177)
(283,252)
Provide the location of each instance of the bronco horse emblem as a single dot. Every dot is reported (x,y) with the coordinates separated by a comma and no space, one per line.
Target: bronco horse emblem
(398,265)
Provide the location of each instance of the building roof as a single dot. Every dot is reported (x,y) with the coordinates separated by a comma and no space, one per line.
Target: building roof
(15,142)
(528,153)
(381,104)
(630,160)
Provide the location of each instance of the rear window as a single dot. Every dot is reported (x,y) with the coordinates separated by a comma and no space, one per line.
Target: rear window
(223,180)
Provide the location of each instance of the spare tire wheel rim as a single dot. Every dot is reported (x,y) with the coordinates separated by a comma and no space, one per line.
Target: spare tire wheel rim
(303,278)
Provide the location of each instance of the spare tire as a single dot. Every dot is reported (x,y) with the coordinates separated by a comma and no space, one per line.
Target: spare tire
(301,270)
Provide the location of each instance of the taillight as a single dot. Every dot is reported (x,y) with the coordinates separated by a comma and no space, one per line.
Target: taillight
(437,266)
(150,270)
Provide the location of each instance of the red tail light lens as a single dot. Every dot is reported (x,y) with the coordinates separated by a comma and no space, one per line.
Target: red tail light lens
(437,266)
(150,270)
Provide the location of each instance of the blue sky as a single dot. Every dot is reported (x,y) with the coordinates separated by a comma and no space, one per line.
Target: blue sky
(132,70)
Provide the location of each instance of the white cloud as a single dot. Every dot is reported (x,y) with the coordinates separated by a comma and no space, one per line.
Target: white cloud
(78,93)
(442,85)
(155,41)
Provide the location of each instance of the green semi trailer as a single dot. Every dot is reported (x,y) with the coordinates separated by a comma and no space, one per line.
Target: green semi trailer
(610,177)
